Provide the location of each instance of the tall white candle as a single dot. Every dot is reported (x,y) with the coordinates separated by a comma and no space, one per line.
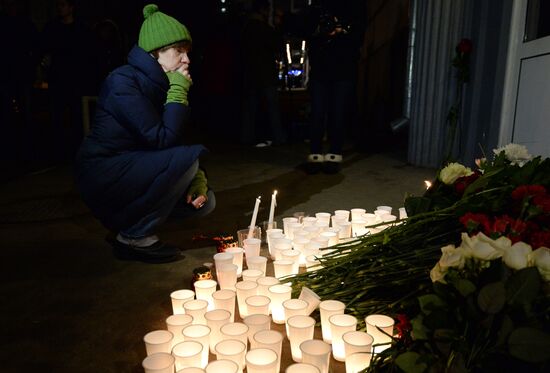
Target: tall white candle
(272,210)
(254,215)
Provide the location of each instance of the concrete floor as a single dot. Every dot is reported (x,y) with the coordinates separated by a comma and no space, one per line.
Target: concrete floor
(69,306)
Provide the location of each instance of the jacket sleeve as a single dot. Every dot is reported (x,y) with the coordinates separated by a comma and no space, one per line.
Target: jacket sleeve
(139,115)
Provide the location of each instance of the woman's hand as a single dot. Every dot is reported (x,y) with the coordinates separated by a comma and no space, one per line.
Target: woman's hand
(197,202)
(184,70)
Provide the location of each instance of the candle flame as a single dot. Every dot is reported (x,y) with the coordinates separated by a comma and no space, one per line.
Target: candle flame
(275,192)
(428,184)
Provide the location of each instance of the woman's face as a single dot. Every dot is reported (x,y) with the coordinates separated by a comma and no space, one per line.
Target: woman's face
(172,59)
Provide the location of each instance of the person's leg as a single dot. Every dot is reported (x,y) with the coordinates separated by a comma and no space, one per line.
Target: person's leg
(274,114)
(342,96)
(158,214)
(250,105)
(317,123)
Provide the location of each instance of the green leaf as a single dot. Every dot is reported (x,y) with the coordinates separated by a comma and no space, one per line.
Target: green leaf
(408,362)
(492,297)
(417,205)
(529,344)
(482,181)
(506,328)
(523,286)
(464,287)
(430,302)
(419,331)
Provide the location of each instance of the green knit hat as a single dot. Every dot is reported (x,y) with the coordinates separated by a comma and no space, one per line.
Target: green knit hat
(159,30)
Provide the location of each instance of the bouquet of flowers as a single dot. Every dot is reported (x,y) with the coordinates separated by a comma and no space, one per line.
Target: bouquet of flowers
(485,303)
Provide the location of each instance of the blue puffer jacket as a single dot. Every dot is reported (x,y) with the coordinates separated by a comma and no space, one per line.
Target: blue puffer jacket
(134,152)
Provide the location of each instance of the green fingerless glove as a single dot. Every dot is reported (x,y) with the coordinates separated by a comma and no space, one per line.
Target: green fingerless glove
(199,184)
(179,86)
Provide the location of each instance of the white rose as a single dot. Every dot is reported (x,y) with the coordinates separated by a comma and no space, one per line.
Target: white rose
(482,247)
(437,273)
(452,257)
(453,171)
(515,153)
(541,259)
(517,256)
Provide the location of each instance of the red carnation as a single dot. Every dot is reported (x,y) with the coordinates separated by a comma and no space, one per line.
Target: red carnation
(542,201)
(475,222)
(540,239)
(500,225)
(403,326)
(523,191)
(463,182)
(465,46)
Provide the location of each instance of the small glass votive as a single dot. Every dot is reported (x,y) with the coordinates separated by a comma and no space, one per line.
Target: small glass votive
(179,297)
(175,324)
(235,330)
(242,234)
(188,354)
(238,254)
(278,294)
(279,245)
(316,353)
(283,267)
(300,329)
(270,339)
(196,308)
(231,349)
(258,263)
(224,299)
(358,362)
(256,323)
(252,274)
(215,319)
(222,366)
(160,362)
(356,341)
(261,360)
(264,283)
(257,304)
(227,275)
(311,298)
(357,213)
(204,290)
(301,368)
(251,247)
(293,307)
(158,341)
(245,289)
(328,308)
(382,338)
(191,370)
(340,324)
(294,256)
(201,334)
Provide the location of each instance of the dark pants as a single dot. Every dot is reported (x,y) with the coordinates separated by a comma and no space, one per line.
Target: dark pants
(332,103)
(167,206)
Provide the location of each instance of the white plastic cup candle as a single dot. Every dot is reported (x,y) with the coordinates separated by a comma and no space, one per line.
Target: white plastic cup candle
(273,234)
(257,304)
(328,308)
(242,234)
(332,237)
(345,229)
(340,324)
(270,339)
(357,213)
(294,256)
(258,263)
(299,244)
(175,324)
(158,341)
(293,307)
(357,341)
(188,354)
(301,233)
(215,319)
(264,283)
(322,240)
(251,247)
(312,263)
(335,220)
(316,353)
(238,254)
(252,274)
(280,245)
(227,275)
(312,231)
(196,308)
(204,290)
(301,368)
(261,360)
(283,267)
(201,334)
(381,212)
(191,370)
(179,297)
(293,227)
(300,329)
(235,330)
(344,214)
(358,362)
(323,218)
(358,227)
(256,323)
(387,208)
(222,366)
(311,248)
(160,362)
(223,258)
(286,222)
(381,337)
(224,299)
(231,349)
(311,298)
(309,221)
(278,294)
(402,213)
(245,289)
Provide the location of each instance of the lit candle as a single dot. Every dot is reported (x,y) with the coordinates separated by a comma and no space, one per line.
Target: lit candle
(253,221)
(272,210)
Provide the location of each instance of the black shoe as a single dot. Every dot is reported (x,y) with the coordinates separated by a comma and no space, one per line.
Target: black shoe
(314,164)
(159,252)
(332,164)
